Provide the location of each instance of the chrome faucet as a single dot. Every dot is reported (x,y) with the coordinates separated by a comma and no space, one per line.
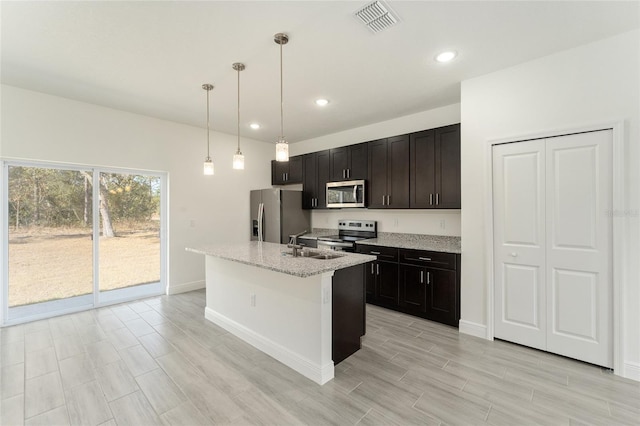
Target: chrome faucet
(293,243)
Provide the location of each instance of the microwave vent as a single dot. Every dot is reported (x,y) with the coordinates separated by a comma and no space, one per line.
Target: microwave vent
(376,16)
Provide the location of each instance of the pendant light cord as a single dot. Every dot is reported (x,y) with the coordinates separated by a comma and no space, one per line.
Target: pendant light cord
(238,109)
(208,154)
(281,99)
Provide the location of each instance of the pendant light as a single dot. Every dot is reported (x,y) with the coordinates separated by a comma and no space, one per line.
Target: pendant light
(208,163)
(238,158)
(282,147)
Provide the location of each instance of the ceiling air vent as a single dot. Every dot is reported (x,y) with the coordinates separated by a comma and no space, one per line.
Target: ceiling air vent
(377,16)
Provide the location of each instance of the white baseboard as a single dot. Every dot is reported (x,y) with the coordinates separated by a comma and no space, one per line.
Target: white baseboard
(184,287)
(473,329)
(631,370)
(320,374)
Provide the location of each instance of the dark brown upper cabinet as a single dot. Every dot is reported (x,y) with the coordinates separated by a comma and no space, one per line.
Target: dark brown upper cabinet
(349,162)
(435,168)
(389,173)
(315,178)
(286,172)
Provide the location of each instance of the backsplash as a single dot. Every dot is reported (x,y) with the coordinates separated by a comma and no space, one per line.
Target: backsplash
(431,222)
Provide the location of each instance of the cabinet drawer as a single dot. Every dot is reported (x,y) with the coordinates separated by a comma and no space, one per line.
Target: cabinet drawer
(388,254)
(428,258)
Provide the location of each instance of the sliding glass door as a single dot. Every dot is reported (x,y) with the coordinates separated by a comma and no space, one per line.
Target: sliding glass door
(129,251)
(77,238)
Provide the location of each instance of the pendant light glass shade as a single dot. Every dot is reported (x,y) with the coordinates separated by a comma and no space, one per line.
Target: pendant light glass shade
(282,147)
(208,167)
(238,161)
(208,162)
(238,158)
(282,150)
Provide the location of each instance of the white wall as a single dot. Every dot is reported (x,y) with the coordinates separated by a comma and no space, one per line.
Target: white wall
(402,221)
(41,127)
(591,84)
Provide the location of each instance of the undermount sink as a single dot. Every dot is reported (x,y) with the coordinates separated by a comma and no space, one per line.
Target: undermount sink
(327,256)
(315,254)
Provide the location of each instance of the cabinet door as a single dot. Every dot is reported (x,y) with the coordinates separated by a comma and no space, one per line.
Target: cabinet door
(370,281)
(278,170)
(448,167)
(442,298)
(323,165)
(358,161)
(413,289)
(378,166)
(309,180)
(294,175)
(398,172)
(339,163)
(422,169)
(387,282)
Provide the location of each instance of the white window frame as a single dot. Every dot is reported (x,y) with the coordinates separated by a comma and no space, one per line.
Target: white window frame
(97,298)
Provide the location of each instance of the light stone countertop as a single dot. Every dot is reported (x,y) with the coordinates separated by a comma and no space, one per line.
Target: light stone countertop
(445,244)
(269,256)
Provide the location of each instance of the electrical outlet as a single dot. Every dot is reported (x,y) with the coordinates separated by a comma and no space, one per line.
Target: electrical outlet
(395,222)
(192,223)
(253,300)
(442,224)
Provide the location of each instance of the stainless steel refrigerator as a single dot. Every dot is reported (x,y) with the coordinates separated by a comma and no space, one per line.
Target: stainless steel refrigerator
(276,214)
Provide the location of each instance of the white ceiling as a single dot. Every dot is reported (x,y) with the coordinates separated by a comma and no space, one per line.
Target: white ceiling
(152,57)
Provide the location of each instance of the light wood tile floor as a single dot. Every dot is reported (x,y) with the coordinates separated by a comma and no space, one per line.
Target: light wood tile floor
(158,361)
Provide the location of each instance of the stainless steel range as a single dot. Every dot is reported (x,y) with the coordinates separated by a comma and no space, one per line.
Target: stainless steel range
(349,231)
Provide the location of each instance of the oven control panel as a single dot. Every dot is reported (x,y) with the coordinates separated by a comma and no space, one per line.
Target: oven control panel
(357,225)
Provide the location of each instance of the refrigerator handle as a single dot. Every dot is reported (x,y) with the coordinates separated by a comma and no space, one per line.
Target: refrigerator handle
(261,222)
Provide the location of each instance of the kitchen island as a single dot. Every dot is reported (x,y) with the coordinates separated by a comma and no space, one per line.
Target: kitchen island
(307,313)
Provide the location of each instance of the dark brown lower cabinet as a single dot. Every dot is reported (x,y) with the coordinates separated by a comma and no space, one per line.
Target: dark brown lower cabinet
(417,282)
(413,290)
(348,311)
(430,293)
(381,281)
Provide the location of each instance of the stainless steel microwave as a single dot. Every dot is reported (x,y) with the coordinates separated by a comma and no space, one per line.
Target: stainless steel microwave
(345,194)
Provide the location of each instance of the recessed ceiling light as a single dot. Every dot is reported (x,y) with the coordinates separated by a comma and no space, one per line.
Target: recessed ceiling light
(322,102)
(446,56)
(254,126)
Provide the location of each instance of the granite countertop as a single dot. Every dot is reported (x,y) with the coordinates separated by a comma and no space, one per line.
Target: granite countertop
(319,232)
(416,241)
(269,256)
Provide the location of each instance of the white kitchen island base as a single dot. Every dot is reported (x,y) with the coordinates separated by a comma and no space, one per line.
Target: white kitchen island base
(286,316)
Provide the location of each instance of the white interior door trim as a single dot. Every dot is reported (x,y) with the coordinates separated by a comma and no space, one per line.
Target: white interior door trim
(619,226)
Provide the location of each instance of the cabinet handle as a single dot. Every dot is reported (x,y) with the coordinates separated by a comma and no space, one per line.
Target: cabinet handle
(377,269)
(374,252)
(430,199)
(425,258)
(371,268)
(388,200)
(344,174)
(428,279)
(348,173)
(437,198)
(383,200)
(421,277)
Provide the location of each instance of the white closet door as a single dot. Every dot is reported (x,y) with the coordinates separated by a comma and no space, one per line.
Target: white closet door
(578,246)
(519,242)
